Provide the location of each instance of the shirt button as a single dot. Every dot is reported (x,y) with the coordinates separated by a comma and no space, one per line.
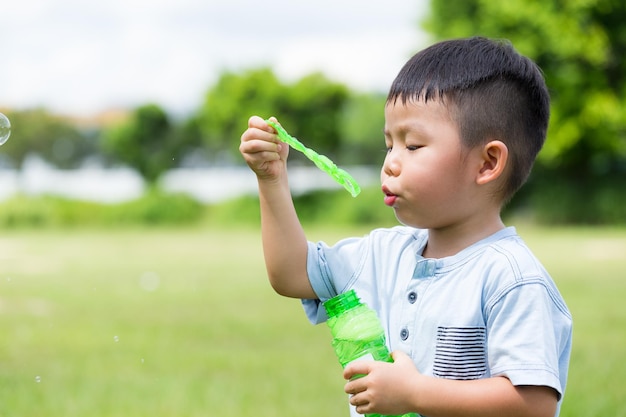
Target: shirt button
(412,297)
(404,334)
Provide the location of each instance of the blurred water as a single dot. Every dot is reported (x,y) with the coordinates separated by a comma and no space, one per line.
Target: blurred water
(90,183)
(208,185)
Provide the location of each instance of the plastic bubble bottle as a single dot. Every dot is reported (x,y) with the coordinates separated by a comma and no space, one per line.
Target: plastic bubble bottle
(357,332)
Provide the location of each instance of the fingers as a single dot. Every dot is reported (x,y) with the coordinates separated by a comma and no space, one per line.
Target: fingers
(355,387)
(256,122)
(356,373)
(254,140)
(259,137)
(258,151)
(379,386)
(400,357)
(357,368)
(261,148)
(362,408)
(258,129)
(358,395)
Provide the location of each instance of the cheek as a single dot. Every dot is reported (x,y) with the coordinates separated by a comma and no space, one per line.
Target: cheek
(437,178)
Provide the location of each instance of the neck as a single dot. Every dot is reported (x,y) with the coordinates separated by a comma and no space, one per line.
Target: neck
(450,240)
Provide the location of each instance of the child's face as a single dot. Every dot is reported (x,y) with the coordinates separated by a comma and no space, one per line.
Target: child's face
(426,175)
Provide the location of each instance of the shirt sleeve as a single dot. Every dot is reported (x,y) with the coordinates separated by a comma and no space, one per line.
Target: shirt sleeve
(331,269)
(529,335)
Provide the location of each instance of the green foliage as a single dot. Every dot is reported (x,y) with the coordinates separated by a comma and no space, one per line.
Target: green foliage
(362,130)
(310,108)
(313,111)
(339,208)
(580,47)
(157,208)
(591,201)
(55,139)
(228,105)
(154,208)
(323,207)
(242,211)
(147,142)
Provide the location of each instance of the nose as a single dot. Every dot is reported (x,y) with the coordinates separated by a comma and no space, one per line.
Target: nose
(391,164)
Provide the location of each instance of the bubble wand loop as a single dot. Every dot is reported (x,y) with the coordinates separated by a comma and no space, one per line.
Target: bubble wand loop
(321,161)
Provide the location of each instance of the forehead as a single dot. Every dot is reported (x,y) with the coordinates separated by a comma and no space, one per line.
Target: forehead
(427,116)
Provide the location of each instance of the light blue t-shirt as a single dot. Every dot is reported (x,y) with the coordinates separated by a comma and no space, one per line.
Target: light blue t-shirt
(490,310)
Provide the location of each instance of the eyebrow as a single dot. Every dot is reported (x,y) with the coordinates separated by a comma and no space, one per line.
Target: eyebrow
(403,129)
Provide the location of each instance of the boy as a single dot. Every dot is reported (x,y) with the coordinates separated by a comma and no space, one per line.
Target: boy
(477,326)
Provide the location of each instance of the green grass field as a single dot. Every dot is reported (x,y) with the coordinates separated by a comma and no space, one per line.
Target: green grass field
(158,322)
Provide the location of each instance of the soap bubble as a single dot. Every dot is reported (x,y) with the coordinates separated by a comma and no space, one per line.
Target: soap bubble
(5,129)
(37,379)
(149,281)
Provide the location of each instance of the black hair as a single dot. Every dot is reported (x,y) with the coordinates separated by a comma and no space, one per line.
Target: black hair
(493,93)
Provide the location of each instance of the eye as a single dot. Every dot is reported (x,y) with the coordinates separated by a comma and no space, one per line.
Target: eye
(413,147)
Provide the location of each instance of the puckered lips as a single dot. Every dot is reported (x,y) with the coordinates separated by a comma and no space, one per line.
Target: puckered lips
(390,198)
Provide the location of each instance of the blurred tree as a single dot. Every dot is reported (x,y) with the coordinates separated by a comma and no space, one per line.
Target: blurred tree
(224,114)
(314,112)
(193,150)
(53,138)
(581,47)
(147,141)
(362,129)
(309,109)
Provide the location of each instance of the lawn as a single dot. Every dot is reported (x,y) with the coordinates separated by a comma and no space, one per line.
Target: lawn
(182,322)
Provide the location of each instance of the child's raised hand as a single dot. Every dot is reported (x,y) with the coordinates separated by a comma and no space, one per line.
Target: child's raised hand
(264,153)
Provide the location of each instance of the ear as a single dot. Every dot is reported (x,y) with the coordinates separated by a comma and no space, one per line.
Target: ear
(494,157)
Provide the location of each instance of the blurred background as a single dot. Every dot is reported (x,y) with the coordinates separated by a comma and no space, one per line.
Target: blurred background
(131,273)
(110,100)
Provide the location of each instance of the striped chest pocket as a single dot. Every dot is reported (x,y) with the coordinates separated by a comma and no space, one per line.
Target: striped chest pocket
(461,353)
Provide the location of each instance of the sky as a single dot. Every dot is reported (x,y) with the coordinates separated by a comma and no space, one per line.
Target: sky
(87,56)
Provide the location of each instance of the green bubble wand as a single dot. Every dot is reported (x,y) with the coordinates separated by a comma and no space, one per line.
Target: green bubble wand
(321,161)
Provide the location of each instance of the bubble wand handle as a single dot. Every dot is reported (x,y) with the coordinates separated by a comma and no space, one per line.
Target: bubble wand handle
(321,161)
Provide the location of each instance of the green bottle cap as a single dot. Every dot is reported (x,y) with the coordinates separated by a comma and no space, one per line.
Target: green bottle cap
(341,303)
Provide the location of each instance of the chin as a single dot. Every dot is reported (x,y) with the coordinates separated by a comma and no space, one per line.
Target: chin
(407,223)
(414,223)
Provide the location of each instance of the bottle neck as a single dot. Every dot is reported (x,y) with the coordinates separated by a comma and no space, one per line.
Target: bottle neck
(342,302)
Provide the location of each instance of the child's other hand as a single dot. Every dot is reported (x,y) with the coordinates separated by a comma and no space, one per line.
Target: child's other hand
(264,153)
(386,388)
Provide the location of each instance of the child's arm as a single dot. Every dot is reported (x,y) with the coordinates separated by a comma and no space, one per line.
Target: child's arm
(397,388)
(284,242)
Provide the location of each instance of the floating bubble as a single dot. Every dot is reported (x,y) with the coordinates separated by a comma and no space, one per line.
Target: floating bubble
(37,379)
(149,281)
(116,339)
(5,129)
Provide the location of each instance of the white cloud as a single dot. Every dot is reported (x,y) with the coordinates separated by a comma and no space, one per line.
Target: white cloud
(365,63)
(80,56)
